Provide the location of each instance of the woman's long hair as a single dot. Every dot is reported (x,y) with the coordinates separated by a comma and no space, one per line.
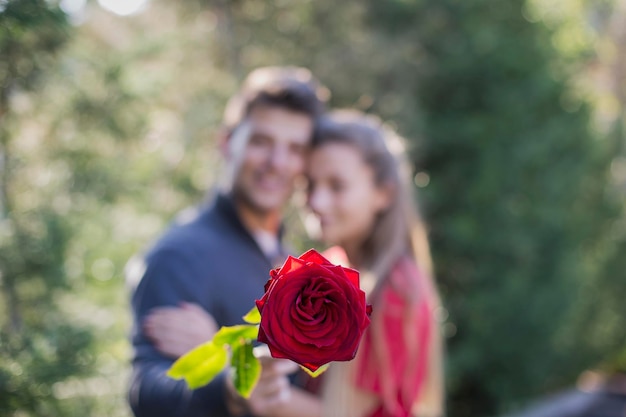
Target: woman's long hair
(398,232)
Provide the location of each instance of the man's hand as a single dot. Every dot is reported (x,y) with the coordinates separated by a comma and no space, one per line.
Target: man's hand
(272,391)
(176,330)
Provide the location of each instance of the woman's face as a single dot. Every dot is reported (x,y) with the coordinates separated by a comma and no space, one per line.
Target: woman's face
(343,195)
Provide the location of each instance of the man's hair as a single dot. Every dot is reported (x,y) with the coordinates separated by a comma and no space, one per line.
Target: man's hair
(290,88)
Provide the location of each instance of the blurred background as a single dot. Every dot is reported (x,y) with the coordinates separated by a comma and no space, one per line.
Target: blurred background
(515,115)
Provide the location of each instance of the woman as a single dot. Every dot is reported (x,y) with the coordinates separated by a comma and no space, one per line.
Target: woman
(359,193)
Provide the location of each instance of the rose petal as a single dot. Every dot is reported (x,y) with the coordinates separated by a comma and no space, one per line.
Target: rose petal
(291,264)
(353,275)
(315,257)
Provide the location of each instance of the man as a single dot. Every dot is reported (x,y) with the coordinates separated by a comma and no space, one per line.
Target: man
(208,269)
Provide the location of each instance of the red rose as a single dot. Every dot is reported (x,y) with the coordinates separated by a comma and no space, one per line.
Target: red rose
(313,312)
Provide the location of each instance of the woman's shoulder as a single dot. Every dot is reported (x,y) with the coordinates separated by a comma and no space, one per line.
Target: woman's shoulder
(405,272)
(409,281)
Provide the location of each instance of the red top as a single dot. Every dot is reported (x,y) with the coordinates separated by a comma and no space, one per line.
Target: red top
(397,372)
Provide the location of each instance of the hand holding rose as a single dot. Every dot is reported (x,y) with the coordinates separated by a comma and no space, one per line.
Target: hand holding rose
(273,388)
(272,391)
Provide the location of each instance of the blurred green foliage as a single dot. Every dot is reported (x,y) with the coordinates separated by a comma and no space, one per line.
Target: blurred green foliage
(39,346)
(107,128)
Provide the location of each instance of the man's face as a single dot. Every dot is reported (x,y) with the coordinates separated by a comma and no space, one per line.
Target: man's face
(273,157)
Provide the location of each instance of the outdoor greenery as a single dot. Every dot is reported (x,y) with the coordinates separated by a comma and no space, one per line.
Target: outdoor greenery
(514,115)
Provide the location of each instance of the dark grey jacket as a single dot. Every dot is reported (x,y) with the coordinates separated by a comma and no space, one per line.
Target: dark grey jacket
(207,257)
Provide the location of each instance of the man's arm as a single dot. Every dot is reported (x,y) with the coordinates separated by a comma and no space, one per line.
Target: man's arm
(168,278)
(153,393)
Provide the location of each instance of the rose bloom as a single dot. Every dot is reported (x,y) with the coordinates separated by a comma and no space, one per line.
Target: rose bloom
(313,312)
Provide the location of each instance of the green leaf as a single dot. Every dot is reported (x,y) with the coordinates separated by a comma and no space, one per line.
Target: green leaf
(317,373)
(199,366)
(247,369)
(253,316)
(232,335)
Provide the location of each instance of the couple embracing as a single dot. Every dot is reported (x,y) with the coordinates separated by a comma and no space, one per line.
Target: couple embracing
(213,262)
